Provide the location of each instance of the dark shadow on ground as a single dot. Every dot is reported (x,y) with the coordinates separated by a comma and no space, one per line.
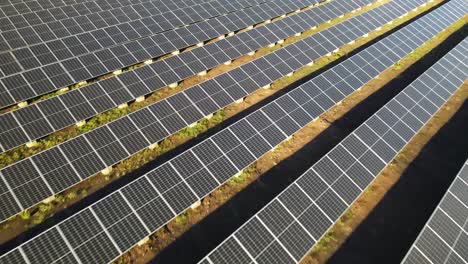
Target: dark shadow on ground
(388,232)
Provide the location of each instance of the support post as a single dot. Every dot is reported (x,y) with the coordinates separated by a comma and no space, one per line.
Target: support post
(22,104)
(49,199)
(143,241)
(31,144)
(140,99)
(202,73)
(81,123)
(153,146)
(64,89)
(107,171)
(195,205)
(238,174)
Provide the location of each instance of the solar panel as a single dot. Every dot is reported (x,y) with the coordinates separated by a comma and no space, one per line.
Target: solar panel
(32,13)
(33,71)
(293,222)
(444,237)
(167,191)
(155,122)
(128,19)
(16,6)
(102,96)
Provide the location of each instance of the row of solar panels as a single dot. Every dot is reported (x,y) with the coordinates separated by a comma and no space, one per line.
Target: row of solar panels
(31,13)
(444,239)
(91,40)
(60,167)
(290,225)
(37,5)
(102,231)
(19,127)
(68,62)
(18,38)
